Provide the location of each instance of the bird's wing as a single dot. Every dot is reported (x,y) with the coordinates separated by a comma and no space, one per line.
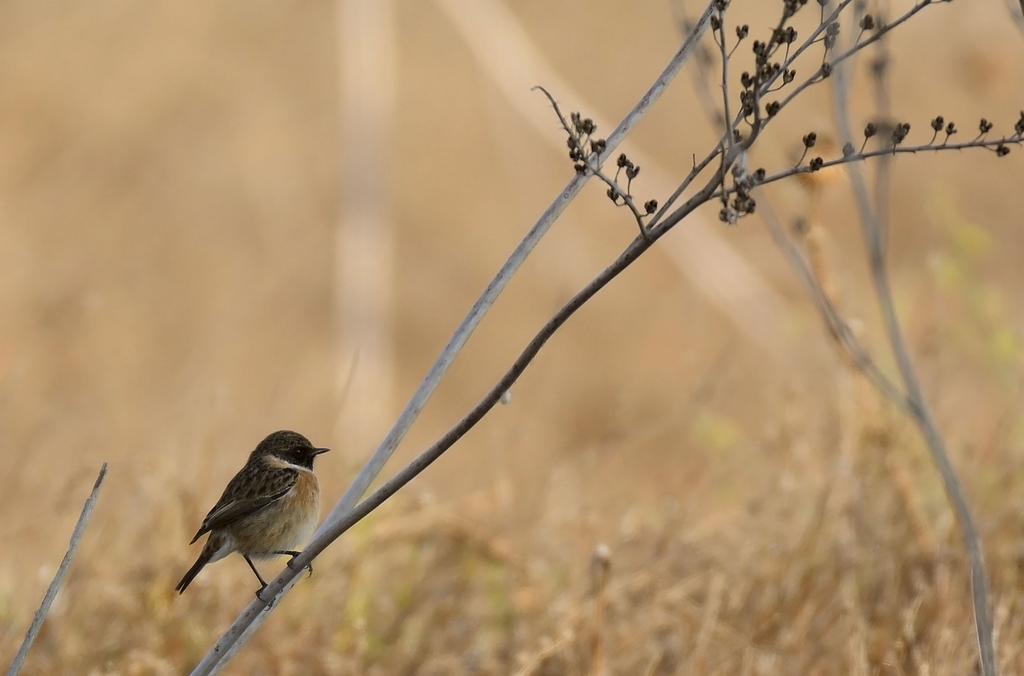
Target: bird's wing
(254,488)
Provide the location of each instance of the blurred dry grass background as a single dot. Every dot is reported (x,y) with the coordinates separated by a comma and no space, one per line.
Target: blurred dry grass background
(170,197)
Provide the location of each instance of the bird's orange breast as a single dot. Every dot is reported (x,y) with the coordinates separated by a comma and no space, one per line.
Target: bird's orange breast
(287,524)
(307,494)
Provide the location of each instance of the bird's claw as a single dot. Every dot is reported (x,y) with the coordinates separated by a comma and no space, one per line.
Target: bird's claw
(308,566)
(259,595)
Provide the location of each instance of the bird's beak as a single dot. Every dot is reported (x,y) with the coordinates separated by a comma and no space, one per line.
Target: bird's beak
(318,451)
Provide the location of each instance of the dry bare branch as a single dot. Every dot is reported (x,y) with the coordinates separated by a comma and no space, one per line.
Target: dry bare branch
(873,233)
(707,260)
(58,578)
(346,512)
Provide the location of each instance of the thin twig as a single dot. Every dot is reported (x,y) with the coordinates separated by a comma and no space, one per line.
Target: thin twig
(872,230)
(886,29)
(502,48)
(836,324)
(883,110)
(343,515)
(694,172)
(853,158)
(664,211)
(811,40)
(592,161)
(814,79)
(820,75)
(729,132)
(58,578)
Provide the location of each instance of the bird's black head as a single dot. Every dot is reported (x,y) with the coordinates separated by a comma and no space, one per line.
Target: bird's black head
(289,446)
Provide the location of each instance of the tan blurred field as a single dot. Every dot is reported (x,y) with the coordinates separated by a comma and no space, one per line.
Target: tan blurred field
(178,188)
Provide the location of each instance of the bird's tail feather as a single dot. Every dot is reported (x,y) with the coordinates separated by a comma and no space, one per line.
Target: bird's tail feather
(203,559)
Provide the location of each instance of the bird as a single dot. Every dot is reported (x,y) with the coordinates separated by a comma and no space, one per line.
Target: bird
(270,507)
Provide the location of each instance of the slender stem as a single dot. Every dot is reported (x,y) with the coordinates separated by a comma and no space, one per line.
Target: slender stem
(811,40)
(883,110)
(886,152)
(342,513)
(835,322)
(593,163)
(884,30)
(698,168)
(872,231)
(696,171)
(725,100)
(835,62)
(816,78)
(58,578)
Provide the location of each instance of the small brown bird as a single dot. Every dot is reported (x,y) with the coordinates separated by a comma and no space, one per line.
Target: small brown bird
(270,508)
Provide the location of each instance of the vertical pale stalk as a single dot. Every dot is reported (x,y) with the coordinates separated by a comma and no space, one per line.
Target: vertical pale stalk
(363,246)
(873,229)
